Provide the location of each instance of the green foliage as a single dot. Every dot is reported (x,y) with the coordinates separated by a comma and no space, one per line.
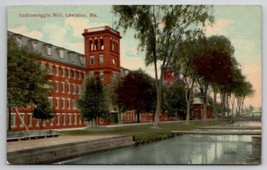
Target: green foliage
(174,99)
(26,81)
(92,102)
(159,29)
(43,111)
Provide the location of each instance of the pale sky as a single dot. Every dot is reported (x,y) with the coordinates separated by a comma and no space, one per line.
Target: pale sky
(241,24)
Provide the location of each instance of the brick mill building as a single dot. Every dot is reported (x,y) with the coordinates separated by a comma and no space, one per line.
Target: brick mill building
(66,71)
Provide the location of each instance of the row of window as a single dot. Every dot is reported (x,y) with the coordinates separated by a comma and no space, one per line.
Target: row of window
(63,119)
(65,87)
(62,103)
(62,71)
(101,60)
(99,44)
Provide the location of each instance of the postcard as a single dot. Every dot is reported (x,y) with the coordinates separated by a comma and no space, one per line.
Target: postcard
(134,84)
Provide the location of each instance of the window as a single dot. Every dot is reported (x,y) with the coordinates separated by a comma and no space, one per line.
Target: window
(96,44)
(73,88)
(79,75)
(74,103)
(74,74)
(62,87)
(61,54)
(101,59)
(57,103)
(19,41)
(57,70)
(58,119)
(113,46)
(113,61)
(64,119)
(70,118)
(63,103)
(21,119)
(34,45)
(72,57)
(49,50)
(50,69)
(68,87)
(92,60)
(101,76)
(63,71)
(29,119)
(82,60)
(68,73)
(68,103)
(91,73)
(50,99)
(57,86)
(51,121)
(13,120)
(91,45)
(43,66)
(79,89)
(102,44)
(75,118)
(37,123)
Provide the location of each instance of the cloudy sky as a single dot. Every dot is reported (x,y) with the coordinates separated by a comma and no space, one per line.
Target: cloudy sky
(241,24)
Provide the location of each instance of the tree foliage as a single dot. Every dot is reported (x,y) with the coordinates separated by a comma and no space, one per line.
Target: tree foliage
(26,83)
(136,92)
(92,102)
(159,30)
(174,99)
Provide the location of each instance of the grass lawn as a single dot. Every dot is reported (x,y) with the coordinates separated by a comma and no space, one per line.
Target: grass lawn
(144,133)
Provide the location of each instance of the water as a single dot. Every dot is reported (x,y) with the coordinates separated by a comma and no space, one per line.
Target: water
(185,149)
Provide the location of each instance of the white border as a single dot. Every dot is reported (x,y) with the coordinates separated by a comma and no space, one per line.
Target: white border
(3,73)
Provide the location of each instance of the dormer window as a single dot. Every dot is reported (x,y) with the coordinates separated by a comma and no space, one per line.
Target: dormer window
(61,54)
(34,44)
(82,60)
(49,50)
(19,41)
(72,56)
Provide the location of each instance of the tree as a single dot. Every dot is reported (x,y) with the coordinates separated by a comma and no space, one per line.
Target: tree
(159,30)
(26,83)
(92,102)
(175,99)
(136,92)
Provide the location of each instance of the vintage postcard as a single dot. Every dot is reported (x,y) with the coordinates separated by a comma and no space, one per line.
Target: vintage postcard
(134,84)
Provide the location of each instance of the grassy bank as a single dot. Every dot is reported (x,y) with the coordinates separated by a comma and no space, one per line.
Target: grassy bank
(144,133)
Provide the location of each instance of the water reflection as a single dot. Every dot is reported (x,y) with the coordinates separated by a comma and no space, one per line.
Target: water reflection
(185,149)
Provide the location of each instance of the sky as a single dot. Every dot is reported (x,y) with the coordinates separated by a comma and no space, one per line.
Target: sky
(241,24)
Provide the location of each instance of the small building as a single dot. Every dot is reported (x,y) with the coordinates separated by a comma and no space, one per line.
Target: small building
(198,109)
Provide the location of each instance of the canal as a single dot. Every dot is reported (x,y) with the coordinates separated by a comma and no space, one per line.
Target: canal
(184,149)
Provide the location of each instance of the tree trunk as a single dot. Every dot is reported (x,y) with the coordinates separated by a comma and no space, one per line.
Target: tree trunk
(188,103)
(215,104)
(158,106)
(205,101)
(9,119)
(138,116)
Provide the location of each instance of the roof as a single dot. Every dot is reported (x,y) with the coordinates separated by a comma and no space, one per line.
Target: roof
(58,54)
(197,100)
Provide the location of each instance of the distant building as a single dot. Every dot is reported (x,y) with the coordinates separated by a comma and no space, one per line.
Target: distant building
(198,109)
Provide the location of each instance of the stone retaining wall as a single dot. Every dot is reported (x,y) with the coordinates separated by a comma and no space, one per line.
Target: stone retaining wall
(52,154)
